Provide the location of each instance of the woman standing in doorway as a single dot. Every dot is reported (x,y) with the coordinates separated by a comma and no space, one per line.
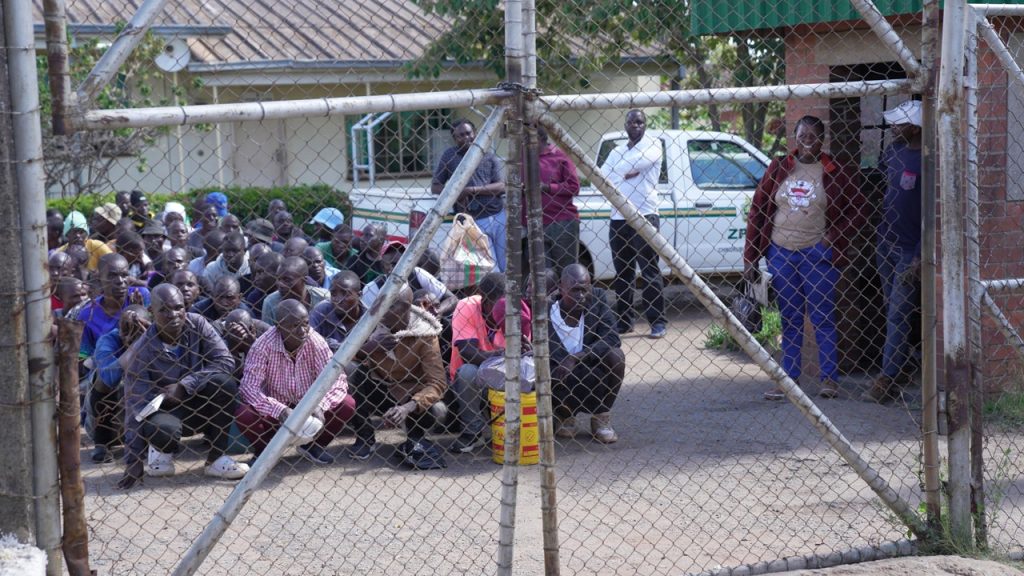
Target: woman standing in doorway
(805,210)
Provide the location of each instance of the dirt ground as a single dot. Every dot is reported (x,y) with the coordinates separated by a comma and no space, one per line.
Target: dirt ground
(926,566)
(706,474)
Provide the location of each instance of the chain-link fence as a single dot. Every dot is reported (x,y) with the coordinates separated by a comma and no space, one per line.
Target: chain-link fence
(304,159)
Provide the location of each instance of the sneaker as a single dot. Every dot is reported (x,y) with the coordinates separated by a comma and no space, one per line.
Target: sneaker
(421,455)
(658,330)
(101,455)
(883,390)
(601,428)
(226,469)
(362,450)
(565,427)
(315,454)
(467,442)
(829,389)
(159,464)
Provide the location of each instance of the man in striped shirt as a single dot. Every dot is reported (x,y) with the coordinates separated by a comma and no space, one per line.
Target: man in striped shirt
(280,368)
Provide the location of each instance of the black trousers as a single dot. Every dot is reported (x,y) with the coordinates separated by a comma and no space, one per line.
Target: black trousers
(210,411)
(587,389)
(630,250)
(107,413)
(372,397)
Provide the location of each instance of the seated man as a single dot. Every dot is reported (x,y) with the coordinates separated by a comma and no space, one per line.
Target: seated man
(279,369)
(72,294)
(294,246)
(474,339)
(335,318)
(225,297)
(339,249)
(419,279)
(587,361)
(211,250)
(264,280)
(187,283)
(366,262)
(182,358)
(240,331)
(319,271)
(291,284)
(400,373)
(233,261)
(105,410)
(170,262)
(133,248)
(102,314)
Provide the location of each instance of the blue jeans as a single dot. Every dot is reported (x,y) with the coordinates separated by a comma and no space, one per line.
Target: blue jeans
(494,227)
(901,296)
(805,280)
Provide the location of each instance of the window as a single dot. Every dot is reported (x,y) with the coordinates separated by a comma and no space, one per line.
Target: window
(406,144)
(608,145)
(721,165)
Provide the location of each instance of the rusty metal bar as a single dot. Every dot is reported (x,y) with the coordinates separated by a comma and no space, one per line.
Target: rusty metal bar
(75,540)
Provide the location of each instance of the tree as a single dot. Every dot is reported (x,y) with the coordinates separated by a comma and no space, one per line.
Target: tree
(577,40)
(81,162)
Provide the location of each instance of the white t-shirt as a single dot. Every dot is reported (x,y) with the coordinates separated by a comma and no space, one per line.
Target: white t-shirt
(426,280)
(571,336)
(640,190)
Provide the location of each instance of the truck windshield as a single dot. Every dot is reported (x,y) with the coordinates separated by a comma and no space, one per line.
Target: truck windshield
(720,165)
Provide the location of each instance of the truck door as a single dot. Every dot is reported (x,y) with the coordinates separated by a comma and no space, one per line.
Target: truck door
(724,175)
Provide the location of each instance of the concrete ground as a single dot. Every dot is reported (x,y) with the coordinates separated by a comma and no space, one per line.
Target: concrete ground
(706,474)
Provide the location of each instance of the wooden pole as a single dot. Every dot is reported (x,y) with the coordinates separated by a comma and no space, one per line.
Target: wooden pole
(75,541)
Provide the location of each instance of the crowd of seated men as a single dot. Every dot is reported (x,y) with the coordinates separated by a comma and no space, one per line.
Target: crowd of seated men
(199,322)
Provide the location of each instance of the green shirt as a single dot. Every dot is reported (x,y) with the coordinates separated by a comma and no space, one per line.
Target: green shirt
(325,249)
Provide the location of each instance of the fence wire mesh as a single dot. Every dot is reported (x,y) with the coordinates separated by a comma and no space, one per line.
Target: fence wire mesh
(675,452)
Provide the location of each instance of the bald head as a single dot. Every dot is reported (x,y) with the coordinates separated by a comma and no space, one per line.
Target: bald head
(396,318)
(291,309)
(294,246)
(292,324)
(162,293)
(575,288)
(291,277)
(575,272)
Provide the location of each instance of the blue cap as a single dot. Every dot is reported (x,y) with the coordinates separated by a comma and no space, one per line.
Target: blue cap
(329,217)
(219,200)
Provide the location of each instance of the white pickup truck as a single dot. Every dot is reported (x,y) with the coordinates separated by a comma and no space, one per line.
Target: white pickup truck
(706,185)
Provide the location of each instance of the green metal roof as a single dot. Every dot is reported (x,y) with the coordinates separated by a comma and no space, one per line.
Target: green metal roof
(720,16)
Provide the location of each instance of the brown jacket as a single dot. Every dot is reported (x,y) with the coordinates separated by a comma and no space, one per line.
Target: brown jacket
(413,370)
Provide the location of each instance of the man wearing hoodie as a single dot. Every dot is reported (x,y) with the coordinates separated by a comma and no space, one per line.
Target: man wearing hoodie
(400,374)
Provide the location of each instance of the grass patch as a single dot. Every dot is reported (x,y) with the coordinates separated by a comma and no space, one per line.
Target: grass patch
(716,337)
(1006,411)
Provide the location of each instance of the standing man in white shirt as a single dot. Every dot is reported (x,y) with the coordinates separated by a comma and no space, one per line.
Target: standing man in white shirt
(633,168)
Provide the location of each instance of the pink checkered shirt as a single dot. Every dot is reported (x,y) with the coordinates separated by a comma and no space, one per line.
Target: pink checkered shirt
(272,382)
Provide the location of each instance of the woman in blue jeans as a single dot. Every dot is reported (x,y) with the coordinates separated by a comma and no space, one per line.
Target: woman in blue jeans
(805,210)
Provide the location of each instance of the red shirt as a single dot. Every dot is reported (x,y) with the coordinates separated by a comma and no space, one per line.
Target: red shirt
(558,172)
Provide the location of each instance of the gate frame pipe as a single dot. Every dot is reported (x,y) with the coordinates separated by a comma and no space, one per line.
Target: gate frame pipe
(244,490)
(954,289)
(720,312)
(28,157)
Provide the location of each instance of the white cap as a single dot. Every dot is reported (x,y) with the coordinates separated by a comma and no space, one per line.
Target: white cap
(907,113)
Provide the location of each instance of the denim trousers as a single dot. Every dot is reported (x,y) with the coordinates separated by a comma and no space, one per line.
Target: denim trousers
(804,282)
(494,227)
(901,300)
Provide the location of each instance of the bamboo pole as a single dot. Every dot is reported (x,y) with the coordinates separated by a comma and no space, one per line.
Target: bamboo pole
(202,546)
(122,47)
(975,291)
(72,489)
(954,333)
(31,182)
(1011,334)
(55,21)
(930,418)
(885,32)
(530,43)
(817,561)
(514,58)
(283,109)
(999,9)
(703,97)
(542,353)
(723,316)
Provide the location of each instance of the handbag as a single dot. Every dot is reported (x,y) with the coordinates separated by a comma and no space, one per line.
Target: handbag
(466,254)
(747,309)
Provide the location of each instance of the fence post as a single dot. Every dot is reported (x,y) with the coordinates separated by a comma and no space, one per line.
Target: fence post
(930,417)
(28,150)
(15,412)
(954,336)
(75,541)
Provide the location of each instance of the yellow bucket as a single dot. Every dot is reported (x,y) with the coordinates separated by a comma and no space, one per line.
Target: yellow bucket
(529,435)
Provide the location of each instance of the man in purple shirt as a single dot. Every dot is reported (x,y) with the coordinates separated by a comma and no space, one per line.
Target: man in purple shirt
(183,359)
(101,315)
(334,318)
(559,184)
